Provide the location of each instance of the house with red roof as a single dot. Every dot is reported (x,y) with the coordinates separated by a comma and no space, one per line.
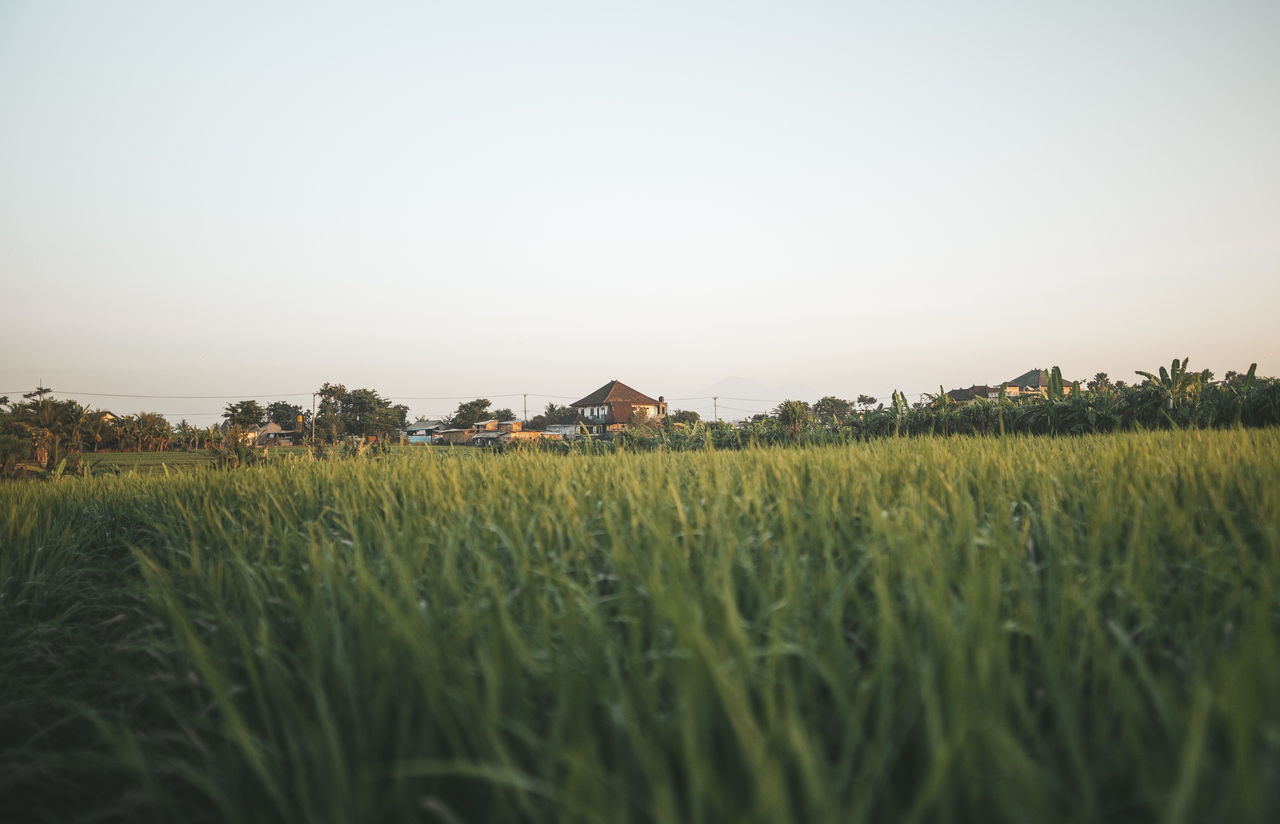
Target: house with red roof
(611,407)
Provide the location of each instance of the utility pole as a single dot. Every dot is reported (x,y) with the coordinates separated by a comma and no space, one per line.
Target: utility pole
(526,407)
(313,418)
(715,408)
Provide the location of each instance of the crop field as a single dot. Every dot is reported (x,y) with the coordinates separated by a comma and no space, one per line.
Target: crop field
(170,461)
(179,460)
(965,629)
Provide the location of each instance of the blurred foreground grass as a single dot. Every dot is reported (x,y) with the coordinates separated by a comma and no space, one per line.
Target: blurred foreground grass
(1023,629)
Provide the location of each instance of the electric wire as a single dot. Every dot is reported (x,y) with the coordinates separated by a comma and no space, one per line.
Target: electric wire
(707,402)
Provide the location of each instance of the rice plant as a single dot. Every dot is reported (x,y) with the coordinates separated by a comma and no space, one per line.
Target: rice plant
(926,629)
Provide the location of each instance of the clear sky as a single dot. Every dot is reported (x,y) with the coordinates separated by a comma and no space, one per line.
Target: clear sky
(463,198)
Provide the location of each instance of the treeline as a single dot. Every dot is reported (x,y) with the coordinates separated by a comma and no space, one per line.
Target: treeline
(1173,398)
(341,413)
(40,433)
(43,431)
(481,409)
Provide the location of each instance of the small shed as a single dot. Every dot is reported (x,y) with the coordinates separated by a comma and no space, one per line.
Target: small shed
(422,431)
(271,434)
(453,436)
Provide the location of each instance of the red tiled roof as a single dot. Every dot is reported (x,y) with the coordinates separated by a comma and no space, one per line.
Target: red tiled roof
(615,391)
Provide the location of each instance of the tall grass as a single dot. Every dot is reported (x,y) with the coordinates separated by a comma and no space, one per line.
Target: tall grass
(1006,629)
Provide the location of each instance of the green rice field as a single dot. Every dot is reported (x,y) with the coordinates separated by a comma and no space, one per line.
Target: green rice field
(1016,629)
(162,462)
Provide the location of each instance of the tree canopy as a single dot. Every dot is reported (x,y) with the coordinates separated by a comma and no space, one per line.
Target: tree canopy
(284,414)
(553,414)
(356,412)
(245,414)
(685,416)
(832,408)
(469,412)
(793,415)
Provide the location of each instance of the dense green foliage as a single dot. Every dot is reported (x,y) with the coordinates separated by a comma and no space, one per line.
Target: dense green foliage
(555,414)
(47,433)
(355,413)
(470,412)
(41,436)
(288,415)
(971,629)
(245,414)
(1172,399)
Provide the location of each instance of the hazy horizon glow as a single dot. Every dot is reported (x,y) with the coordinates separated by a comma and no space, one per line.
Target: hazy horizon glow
(436,199)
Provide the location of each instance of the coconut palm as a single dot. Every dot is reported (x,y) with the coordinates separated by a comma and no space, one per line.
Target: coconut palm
(127,433)
(97,424)
(792,415)
(51,423)
(154,431)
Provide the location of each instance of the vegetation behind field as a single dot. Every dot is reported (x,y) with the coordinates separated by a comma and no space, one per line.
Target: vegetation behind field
(41,437)
(1013,629)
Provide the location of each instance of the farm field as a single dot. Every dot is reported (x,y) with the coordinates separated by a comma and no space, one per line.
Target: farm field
(177,460)
(961,629)
(170,460)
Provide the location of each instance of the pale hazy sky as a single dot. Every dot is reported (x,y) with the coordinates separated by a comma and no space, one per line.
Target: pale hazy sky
(452,199)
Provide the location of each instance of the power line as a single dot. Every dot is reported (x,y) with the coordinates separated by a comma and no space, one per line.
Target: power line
(397,397)
(255,395)
(464,397)
(184,397)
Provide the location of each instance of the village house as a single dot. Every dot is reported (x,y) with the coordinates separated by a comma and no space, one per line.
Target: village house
(974,393)
(421,431)
(489,433)
(498,433)
(611,407)
(1033,382)
(271,434)
(568,431)
(453,436)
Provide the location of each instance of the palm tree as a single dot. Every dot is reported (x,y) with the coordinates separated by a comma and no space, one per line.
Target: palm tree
(186,434)
(51,423)
(79,416)
(792,415)
(95,422)
(127,430)
(154,429)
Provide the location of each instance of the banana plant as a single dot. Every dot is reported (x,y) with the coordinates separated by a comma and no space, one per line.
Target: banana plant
(1242,390)
(899,409)
(1176,384)
(1054,390)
